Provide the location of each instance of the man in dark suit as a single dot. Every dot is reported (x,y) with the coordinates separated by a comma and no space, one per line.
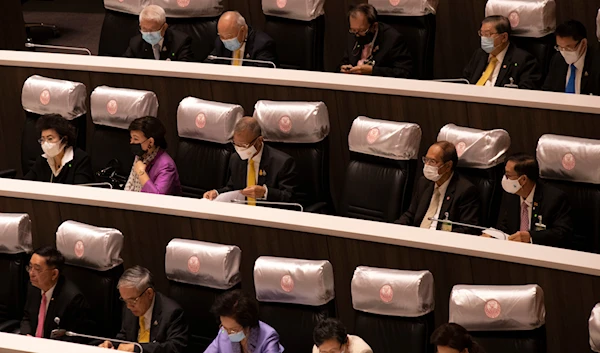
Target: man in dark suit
(374,48)
(499,62)
(532,212)
(574,69)
(156,322)
(52,300)
(259,171)
(157,41)
(443,194)
(239,41)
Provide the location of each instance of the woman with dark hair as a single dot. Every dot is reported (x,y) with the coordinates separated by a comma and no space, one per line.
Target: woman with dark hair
(330,336)
(241,331)
(153,170)
(61,162)
(453,338)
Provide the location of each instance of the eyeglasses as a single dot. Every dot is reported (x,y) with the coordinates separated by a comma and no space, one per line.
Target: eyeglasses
(36,270)
(335,350)
(133,301)
(359,33)
(246,145)
(50,139)
(485,34)
(567,49)
(230,332)
(429,161)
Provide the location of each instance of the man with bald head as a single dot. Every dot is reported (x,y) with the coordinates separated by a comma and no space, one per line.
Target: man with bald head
(238,41)
(259,171)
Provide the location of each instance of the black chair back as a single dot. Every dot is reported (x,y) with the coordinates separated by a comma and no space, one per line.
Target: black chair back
(541,48)
(512,341)
(382,332)
(14,289)
(488,183)
(110,146)
(202,166)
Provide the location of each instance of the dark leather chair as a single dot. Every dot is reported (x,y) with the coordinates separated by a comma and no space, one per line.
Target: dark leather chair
(113,110)
(393,308)
(15,246)
(594,328)
(383,162)
(571,165)
(205,131)
(501,318)
(198,273)
(298,29)
(300,129)
(294,291)
(481,160)
(93,263)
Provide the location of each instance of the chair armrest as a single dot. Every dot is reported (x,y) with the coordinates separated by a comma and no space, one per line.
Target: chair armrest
(11,326)
(319,207)
(8,173)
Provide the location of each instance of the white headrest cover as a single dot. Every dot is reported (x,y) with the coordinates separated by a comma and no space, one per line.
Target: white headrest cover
(292,122)
(118,107)
(89,246)
(203,264)
(498,308)
(208,121)
(528,18)
(405,7)
(478,149)
(594,328)
(293,281)
(569,158)
(303,10)
(383,138)
(43,95)
(393,292)
(173,8)
(15,233)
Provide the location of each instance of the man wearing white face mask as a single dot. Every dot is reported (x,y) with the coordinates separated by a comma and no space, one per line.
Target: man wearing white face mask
(259,171)
(61,162)
(157,41)
(532,211)
(442,191)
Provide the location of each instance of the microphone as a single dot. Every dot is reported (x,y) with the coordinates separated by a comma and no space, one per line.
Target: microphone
(271,203)
(456,223)
(112,164)
(453,80)
(212,57)
(73,334)
(60,47)
(107,184)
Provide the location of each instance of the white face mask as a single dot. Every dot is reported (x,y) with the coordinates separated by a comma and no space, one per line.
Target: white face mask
(431,172)
(570,57)
(52,149)
(511,186)
(245,153)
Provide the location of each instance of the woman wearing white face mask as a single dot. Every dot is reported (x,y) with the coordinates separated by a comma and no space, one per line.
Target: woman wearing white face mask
(61,162)
(330,337)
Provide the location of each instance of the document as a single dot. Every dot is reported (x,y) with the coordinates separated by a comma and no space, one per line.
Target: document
(230,196)
(495,233)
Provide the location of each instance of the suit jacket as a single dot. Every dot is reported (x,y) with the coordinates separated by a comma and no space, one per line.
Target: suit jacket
(67,303)
(163,175)
(77,171)
(279,175)
(548,202)
(168,330)
(177,46)
(390,53)
(261,339)
(355,345)
(259,46)
(556,80)
(518,64)
(461,201)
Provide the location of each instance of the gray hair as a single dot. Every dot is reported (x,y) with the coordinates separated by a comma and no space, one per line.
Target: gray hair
(153,13)
(136,277)
(248,123)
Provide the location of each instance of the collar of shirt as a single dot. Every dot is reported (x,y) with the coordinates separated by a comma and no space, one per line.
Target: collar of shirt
(580,63)
(500,56)
(442,188)
(529,199)
(49,295)
(67,157)
(148,314)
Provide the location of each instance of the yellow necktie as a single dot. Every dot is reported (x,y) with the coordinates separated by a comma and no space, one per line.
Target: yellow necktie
(251,180)
(143,335)
(237,55)
(433,206)
(488,72)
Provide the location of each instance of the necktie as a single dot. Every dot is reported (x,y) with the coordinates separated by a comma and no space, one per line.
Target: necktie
(251,180)
(433,206)
(143,335)
(488,72)
(571,83)
(237,55)
(39,332)
(524,217)
(156,50)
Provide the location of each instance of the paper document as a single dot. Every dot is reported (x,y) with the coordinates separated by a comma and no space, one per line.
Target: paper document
(230,196)
(495,233)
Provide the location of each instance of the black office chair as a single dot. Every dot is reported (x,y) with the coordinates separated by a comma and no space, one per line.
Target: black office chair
(394,308)
(113,110)
(294,291)
(305,22)
(383,162)
(205,131)
(571,165)
(501,318)
(594,328)
(481,160)
(15,247)
(300,129)
(198,273)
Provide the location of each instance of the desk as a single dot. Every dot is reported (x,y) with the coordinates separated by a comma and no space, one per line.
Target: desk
(569,279)
(11,343)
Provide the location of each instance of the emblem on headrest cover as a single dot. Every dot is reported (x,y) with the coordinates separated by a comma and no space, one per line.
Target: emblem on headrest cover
(514,19)
(79,249)
(193,264)
(285,124)
(568,161)
(45,97)
(281,3)
(394,2)
(492,309)
(386,293)
(287,283)
(460,148)
(112,107)
(183,3)
(372,135)
(200,120)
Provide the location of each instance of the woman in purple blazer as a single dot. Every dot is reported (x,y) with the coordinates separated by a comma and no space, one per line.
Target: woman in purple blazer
(153,171)
(241,331)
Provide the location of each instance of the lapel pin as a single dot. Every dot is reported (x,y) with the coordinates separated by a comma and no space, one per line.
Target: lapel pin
(586,74)
(447,198)
(247,56)
(164,48)
(516,64)
(262,173)
(504,67)
(535,204)
(155,323)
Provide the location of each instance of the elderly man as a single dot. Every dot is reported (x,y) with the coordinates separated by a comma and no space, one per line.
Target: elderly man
(442,193)
(157,41)
(374,48)
(239,41)
(153,320)
(259,171)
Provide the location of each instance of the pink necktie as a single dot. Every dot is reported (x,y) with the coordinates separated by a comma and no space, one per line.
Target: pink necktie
(41,317)
(524,217)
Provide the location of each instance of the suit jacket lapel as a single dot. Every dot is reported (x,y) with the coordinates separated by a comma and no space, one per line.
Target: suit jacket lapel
(156,317)
(165,49)
(423,204)
(536,207)
(51,312)
(448,197)
(589,58)
(505,65)
(264,165)
(248,51)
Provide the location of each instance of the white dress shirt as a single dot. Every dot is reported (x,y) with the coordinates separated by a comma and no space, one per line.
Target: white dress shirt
(492,81)
(256,159)
(580,65)
(48,296)
(148,315)
(442,190)
(67,157)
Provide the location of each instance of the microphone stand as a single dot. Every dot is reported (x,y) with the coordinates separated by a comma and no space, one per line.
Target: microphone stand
(60,47)
(258,202)
(212,57)
(457,223)
(73,334)
(453,80)
(109,185)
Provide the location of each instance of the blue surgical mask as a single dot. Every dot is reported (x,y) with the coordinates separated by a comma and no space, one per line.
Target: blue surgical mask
(152,38)
(237,337)
(232,44)
(487,44)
